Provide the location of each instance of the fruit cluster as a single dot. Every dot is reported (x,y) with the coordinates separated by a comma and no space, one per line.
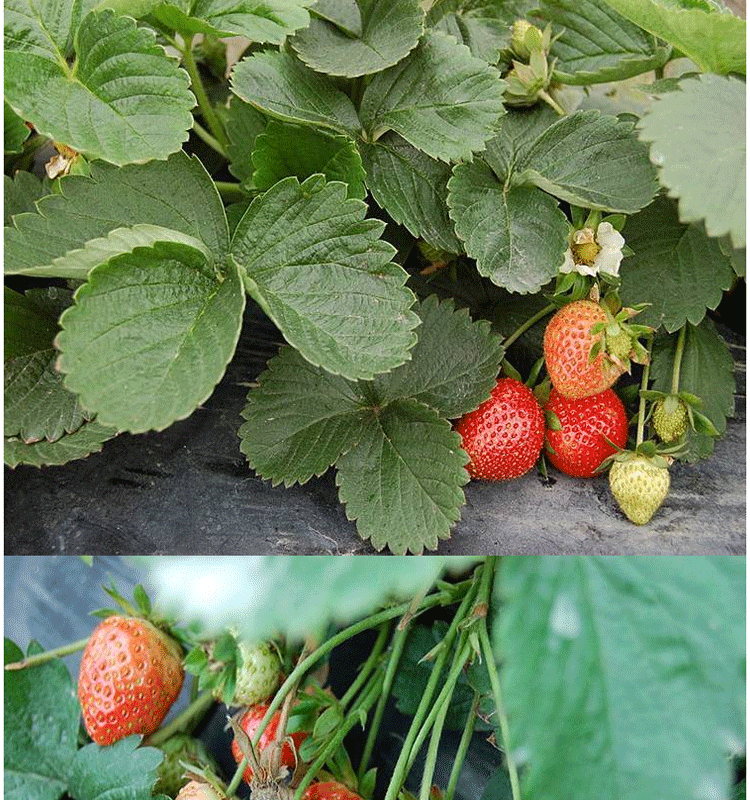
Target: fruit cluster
(581,423)
(132,672)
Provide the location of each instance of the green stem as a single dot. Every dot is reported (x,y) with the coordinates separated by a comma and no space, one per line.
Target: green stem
(211,141)
(679,350)
(463,653)
(401,769)
(463,749)
(489,659)
(232,192)
(397,649)
(195,709)
(355,715)
(236,778)
(529,323)
(209,115)
(436,599)
(432,752)
(642,401)
(367,667)
(48,655)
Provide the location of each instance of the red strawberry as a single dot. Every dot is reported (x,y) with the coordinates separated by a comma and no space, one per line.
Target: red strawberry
(249,723)
(504,436)
(567,349)
(130,675)
(579,447)
(330,790)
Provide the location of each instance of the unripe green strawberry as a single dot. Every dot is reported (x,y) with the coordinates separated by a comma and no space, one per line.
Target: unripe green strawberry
(620,345)
(670,418)
(195,790)
(640,486)
(180,748)
(258,677)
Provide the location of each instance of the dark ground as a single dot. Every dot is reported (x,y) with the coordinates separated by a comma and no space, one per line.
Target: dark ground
(188,490)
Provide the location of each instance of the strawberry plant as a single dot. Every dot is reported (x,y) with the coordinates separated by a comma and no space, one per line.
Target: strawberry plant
(342,165)
(405,679)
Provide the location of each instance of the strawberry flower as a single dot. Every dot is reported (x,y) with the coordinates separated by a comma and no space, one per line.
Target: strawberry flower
(591,253)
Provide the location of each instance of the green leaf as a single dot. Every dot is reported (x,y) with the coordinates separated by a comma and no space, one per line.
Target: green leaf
(601,657)
(120,771)
(402,481)
(593,160)
(596,44)
(518,236)
(177,195)
(125,100)
(284,150)
(287,436)
(281,602)
(714,41)
(706,371)
(701,159)
(37,406)
(440,99)
(270,21)
(675,267)
(453,366)
(150,335)
(412,188)
(387,30)
(279,85)
(320,271)
(41,717)
(484,27)
(244,124)
(88,439)
(21,193)
(16,132)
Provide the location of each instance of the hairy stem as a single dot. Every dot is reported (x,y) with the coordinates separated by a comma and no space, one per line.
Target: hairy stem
(642,401)
(432,752)
(367,668)
(397,649)
(209,115)
(678,353)
(401,769)
(529,323)
(211,141)
(463,749)
(48,655)
(489,660)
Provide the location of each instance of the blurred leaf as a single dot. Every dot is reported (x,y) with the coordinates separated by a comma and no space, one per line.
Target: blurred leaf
(265,596)
(697,137)
(16,132)
(601,657)
(714,40)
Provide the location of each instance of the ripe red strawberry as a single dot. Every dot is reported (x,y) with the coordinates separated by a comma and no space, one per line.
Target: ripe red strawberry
(579,447)
(195,790)
(130,675)
(504,436)
(329,790)
(567,348)
(249,723)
